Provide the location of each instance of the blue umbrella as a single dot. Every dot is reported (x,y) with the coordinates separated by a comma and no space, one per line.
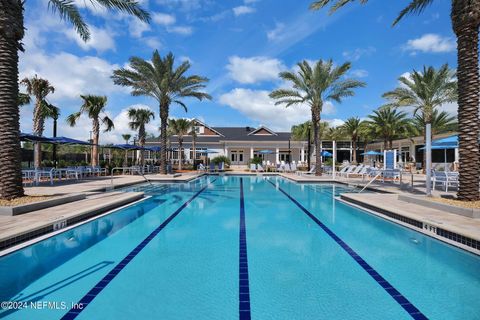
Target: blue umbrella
(209,151)
(452,140)
(126,147)
(372,153)
(65,140)
(266,152)
(153,148)
(326,154)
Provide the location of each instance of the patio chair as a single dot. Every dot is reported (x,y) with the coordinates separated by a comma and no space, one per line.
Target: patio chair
(393,174)
(42,173)
(305,173)
(211,167)
(445,178)
(260,168)
(287,168)
(293,167)
(221,167)
(253,167)
(355,172)
(201,167)
(345,171)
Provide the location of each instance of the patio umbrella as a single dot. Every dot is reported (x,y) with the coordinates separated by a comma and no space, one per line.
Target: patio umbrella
(266,152)
(126,147)
(326,154)
(452,140)
(372,153)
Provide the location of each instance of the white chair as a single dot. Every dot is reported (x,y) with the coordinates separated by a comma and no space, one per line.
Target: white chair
(260,168)
(311,171)
(293,167)
(355,172)
(345,171)
(253,167)
(221,167)
(445,178)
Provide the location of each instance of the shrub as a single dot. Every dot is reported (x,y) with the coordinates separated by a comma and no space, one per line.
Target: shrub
(219,159)
(256,160)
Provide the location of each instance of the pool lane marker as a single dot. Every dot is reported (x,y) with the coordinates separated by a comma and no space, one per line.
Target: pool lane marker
(244,286)
(84,302)
(394,293)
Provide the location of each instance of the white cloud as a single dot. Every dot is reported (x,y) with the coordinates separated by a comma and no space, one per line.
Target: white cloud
(240,10)
(71,75)
(334,122)
(254,69)
(359,73)
(257,105)
(186,58)
(430,42)
(153,43)
(451,108)
(277,32)
(163,19)
(100,39)
(183,30)
(358,53)
(137,27)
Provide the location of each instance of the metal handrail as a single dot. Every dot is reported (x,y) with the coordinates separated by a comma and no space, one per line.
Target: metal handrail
(131,169)
(374,178)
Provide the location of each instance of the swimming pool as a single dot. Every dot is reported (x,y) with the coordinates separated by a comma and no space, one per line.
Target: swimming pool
(240,248)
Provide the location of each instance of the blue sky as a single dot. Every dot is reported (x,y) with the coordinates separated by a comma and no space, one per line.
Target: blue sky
(240,45)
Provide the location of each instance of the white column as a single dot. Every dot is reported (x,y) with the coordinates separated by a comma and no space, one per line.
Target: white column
(302,154)
(428,162)
(277,155)
(351,152)
(251,153)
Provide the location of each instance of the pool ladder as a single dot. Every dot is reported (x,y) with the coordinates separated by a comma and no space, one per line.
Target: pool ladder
(123,168)
(370,182)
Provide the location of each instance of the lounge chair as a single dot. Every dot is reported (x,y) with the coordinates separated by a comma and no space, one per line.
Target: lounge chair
(445,178)
(260,168)
(211,167)
(354,172)
(221,167)
(253,167)
(293,167)
(306,173)
(345,171)
(393,174)
(201,167)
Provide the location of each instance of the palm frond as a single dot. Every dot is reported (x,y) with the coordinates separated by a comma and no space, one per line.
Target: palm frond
(415,7)
(68,11)
(72,119)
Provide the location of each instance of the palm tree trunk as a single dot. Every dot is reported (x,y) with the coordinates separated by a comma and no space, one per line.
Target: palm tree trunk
(96,134)
(38,125)
(180,153)
(466,29)
(354,152)
(11,33)
(163,137)
(315,124)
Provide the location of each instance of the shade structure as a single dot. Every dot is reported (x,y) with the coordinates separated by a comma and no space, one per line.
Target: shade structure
(34,138)
(372,153)
(153,148)
(452,140)
(326,154)
(127,147)
(65,140)
(266,152)
(209,151)
(442,147)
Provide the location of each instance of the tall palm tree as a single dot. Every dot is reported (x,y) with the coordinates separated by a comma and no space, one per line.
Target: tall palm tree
(388,124)
(94,107)
(126,137)
(465,16)
(39,88)
(180,128)
(425,91)
(139,118)
(441,122)
(193,134)
(160,80)
(352,127)
(314,85)
(52,112)
(13,30)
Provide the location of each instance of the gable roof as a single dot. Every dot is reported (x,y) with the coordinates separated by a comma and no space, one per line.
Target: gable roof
(207,126)
(261,129)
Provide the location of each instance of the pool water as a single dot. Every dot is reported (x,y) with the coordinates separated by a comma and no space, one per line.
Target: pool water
(236,247)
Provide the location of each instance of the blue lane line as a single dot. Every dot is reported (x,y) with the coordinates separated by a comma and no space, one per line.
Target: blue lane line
(74,312)
(244,286)
(394,293)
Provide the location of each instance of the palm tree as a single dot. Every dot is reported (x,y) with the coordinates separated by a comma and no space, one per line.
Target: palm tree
(441,122)
(39,88)
(313,86)
(13,30)
(23,99)
(52,112)
(180,128)
(193,134)
(465,15)
(93,106)
(126,137)
(160,80)
(388,124)
(352,127)
(138,119)
(425,91)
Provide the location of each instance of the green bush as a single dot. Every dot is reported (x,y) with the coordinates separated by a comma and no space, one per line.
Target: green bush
(256,160)
(219,159)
